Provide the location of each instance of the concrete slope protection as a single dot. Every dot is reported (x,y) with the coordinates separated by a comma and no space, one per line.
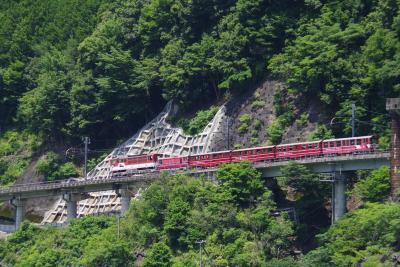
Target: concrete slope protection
(157,136)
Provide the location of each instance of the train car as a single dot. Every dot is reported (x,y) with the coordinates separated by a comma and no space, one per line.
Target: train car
(173,163)
(362,144)
(254,154)
(210,159)
(133,163)
(299,150)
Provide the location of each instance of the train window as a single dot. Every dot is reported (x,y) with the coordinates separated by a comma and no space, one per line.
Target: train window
(352,142)
(338,143)
(291,148)
(332,144)
(325,145)
(359,142)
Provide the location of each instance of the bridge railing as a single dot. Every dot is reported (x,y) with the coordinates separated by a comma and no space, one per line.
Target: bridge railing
(80,182)
(65,184)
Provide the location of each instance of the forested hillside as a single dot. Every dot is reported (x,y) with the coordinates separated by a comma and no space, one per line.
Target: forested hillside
(237,218)
(98,68)
(69,68)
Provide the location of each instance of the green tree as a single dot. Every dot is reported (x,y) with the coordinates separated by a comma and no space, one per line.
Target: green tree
(374,187)
(361,235)
(241,181)
(53,168)
(159,255)
(112,251)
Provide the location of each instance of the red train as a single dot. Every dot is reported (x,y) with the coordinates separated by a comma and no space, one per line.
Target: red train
(363,144)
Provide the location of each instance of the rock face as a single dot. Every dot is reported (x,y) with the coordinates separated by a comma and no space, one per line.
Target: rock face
(227,130)
(158,136)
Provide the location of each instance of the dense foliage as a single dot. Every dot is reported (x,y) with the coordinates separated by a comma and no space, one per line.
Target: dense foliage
(373,186)
(52,167)
(348,53)
(234,219)
(16,149)
(368,236)
(77,245)
(102,68)
(71,68)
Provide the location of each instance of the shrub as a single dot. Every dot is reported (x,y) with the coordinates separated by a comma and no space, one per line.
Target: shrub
(12,142)
(245,121)
(202,118)
(302,121)
(257,124)
(275,131)
(322,132)
(257,104)
(253,141)
(10,171)
(52,167)
(237,146)
(374,187)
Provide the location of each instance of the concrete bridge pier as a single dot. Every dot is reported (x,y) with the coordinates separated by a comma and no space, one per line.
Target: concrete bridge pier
(339,196)
(19,205)
(72,204)
(125,198)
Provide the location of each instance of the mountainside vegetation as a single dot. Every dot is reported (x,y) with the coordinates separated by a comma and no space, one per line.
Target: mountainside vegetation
(103,69)
(237,220)
(70,69)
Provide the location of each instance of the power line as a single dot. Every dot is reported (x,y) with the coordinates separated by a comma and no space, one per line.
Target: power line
(378,113)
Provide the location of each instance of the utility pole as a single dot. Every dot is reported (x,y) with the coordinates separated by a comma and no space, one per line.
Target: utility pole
(86,140)
(353,119)
(228,125)
(118,218)
(201,242)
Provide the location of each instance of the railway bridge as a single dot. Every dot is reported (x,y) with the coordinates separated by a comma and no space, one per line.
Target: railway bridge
(73,191)
(166,138)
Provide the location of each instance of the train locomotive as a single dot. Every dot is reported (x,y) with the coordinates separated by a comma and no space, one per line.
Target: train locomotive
(157,162)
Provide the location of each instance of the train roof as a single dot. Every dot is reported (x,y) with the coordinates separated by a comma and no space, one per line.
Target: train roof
(252,148)
(347,138)
(210,153)
(134,156)
(301,143)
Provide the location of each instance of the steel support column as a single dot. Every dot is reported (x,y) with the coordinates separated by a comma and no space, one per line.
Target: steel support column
(339,198)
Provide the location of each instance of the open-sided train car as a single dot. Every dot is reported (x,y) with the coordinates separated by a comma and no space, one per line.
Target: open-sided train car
(350,145)
(210,159)
(173,163)
(299,150)
(254,154)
